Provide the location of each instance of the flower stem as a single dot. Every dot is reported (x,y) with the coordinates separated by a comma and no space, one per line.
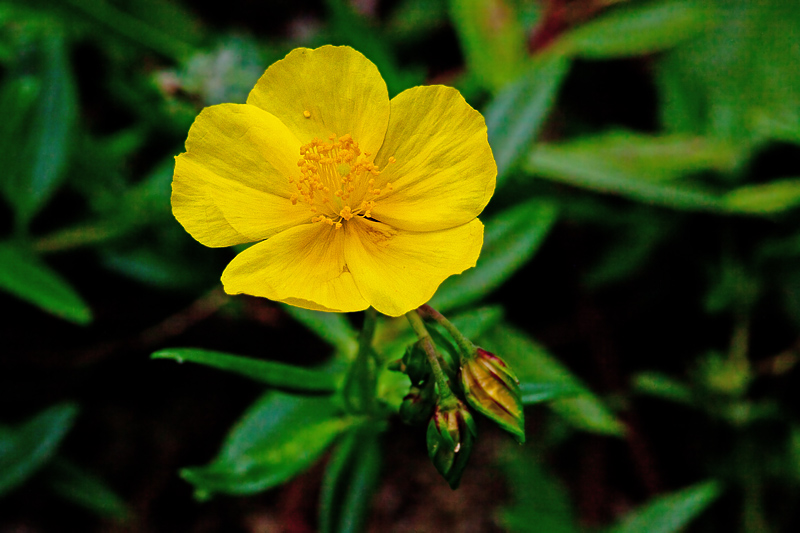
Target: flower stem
(446,395)
(463,342)
(359,388)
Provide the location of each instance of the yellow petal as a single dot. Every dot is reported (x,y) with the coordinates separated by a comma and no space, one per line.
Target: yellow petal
(397,271)
(232,184)
(324,91)
(445,172)
(302,266)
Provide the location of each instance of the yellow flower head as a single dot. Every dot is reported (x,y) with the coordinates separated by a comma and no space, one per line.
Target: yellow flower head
(357,200)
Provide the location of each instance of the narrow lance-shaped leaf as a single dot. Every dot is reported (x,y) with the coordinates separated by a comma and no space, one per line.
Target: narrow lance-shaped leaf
(537,497)
(764,199)
(272,373)
(17,98)
(492,38)
(649,158)
(474,322)
(128,26)
(25,276)
(86,490)
(50,134)
(553,164)
(278,437)
(517,113)
(350,480)
(637,29)
(532,364)
(510,240)
(663,386)
(644,168)
(27,448)
(672,512)
(546,391)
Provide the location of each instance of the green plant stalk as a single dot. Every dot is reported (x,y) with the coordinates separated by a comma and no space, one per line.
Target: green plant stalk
(446,396)
(361,380)
(464,344)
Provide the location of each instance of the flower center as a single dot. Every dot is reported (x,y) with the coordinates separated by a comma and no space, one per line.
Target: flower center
(337,180)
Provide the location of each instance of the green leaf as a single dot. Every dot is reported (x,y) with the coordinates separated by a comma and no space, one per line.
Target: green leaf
(279,437)
(26,448)
(642,157)
(492,38)
(333,328)
(532,364)
(744,71)
(475,322)
(17,98)
(637,29)
(540,502)
(360,381)
(138,31)
(52,126)
(510,240)
(544,392)
(46,131)
(86,490)
(764,199)
(272,373)
(597,174)
(672,512)
(681,105)
(350,482)
(663,386)
(26,277)
(517,113)
(640,167)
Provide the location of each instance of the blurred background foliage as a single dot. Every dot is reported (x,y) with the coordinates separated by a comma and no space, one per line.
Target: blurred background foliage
(640,273)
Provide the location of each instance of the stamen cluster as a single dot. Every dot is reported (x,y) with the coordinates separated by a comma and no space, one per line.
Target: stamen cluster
(337,180)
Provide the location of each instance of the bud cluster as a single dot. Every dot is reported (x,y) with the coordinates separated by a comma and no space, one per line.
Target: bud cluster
(443,397)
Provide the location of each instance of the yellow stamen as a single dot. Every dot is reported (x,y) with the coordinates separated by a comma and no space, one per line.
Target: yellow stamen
(334,178)
(307,113)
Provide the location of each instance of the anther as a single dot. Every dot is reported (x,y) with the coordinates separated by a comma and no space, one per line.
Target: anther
(307,113)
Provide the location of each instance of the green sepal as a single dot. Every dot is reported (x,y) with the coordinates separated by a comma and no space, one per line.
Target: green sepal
(450,437)
(418,404)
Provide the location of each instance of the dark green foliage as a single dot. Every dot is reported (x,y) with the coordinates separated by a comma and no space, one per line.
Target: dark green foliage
(640,271)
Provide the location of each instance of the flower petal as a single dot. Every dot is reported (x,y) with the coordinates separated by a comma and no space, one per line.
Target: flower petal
(445,172)
(302,266)
(232,184)
(341,90)
(397,271)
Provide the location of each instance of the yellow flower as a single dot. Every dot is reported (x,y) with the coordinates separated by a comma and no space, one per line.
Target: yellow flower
(357,200)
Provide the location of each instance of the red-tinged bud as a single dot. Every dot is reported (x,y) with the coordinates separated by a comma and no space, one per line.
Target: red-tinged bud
(491,387)
(451,434)
(418,404)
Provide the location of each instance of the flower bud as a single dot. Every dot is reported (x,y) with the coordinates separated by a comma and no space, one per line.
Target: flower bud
(416,364)
(451,434)
(491,387)
(418,404)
